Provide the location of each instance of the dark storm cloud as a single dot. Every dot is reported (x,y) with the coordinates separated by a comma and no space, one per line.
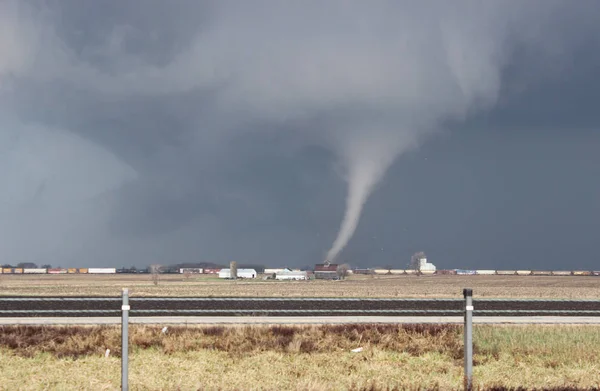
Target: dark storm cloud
(154,131)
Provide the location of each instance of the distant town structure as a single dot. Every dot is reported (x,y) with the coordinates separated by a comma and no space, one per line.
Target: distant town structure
(326,271)
(419,263)
(426,267)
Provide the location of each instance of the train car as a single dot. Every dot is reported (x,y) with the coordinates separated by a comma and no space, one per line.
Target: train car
(446,272)
(596,273)
(102,270)
(541,272)
(561,272)
(506,272)
(410,271)
(523,272)
(35,271)
(191,270)
(428,272)
(485,272)
(18,270)
(57,270)
(464,272)
(71,270)
(582,273)
(397,271)
(83,270)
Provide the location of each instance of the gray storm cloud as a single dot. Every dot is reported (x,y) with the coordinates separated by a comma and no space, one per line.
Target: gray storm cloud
(109,123)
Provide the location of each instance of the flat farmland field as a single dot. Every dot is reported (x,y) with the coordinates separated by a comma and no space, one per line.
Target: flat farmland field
(444,286)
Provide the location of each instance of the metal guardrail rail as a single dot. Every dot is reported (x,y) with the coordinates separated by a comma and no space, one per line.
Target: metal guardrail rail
(261,306)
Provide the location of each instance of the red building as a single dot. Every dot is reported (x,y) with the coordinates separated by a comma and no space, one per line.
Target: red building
(326,271)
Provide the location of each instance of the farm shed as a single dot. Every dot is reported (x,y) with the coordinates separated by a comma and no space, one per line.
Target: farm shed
(241,273)
(291,275)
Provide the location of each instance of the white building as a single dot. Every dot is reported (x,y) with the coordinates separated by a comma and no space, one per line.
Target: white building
(424,266)
(241,273)
(291,275)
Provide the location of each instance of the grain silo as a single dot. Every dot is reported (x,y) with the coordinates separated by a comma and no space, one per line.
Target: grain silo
(233,270)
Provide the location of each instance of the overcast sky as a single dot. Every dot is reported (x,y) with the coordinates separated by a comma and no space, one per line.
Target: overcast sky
(139,132)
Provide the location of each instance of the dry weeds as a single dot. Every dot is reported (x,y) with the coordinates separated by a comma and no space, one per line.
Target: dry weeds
(78,341)
(300,358)
(567,287)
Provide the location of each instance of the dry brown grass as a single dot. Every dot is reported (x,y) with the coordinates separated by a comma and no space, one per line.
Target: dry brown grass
(572,287)
(77,341)
(302,358)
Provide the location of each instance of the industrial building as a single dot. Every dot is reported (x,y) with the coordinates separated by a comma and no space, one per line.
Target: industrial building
(426,267)
(241,273)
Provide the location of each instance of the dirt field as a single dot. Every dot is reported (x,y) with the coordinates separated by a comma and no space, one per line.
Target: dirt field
(568,287)
(393,357)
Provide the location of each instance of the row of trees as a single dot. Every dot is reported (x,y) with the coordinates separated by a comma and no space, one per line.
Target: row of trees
(27,265)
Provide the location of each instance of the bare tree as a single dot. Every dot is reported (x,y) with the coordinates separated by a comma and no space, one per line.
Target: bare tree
(342,271)
(415,261)
(155,271)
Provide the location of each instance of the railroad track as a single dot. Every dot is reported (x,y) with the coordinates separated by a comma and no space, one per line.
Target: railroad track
(13,306)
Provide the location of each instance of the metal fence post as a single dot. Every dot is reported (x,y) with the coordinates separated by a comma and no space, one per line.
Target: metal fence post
(468,380)
(125,341)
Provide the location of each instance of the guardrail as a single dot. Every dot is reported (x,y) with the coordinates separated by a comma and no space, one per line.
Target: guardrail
(249,306)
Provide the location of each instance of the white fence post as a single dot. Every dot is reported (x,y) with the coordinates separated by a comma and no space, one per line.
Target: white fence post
(468,331)
(125,340)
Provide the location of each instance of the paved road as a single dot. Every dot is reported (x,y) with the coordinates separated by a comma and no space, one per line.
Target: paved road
(299,320)
(287,307)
